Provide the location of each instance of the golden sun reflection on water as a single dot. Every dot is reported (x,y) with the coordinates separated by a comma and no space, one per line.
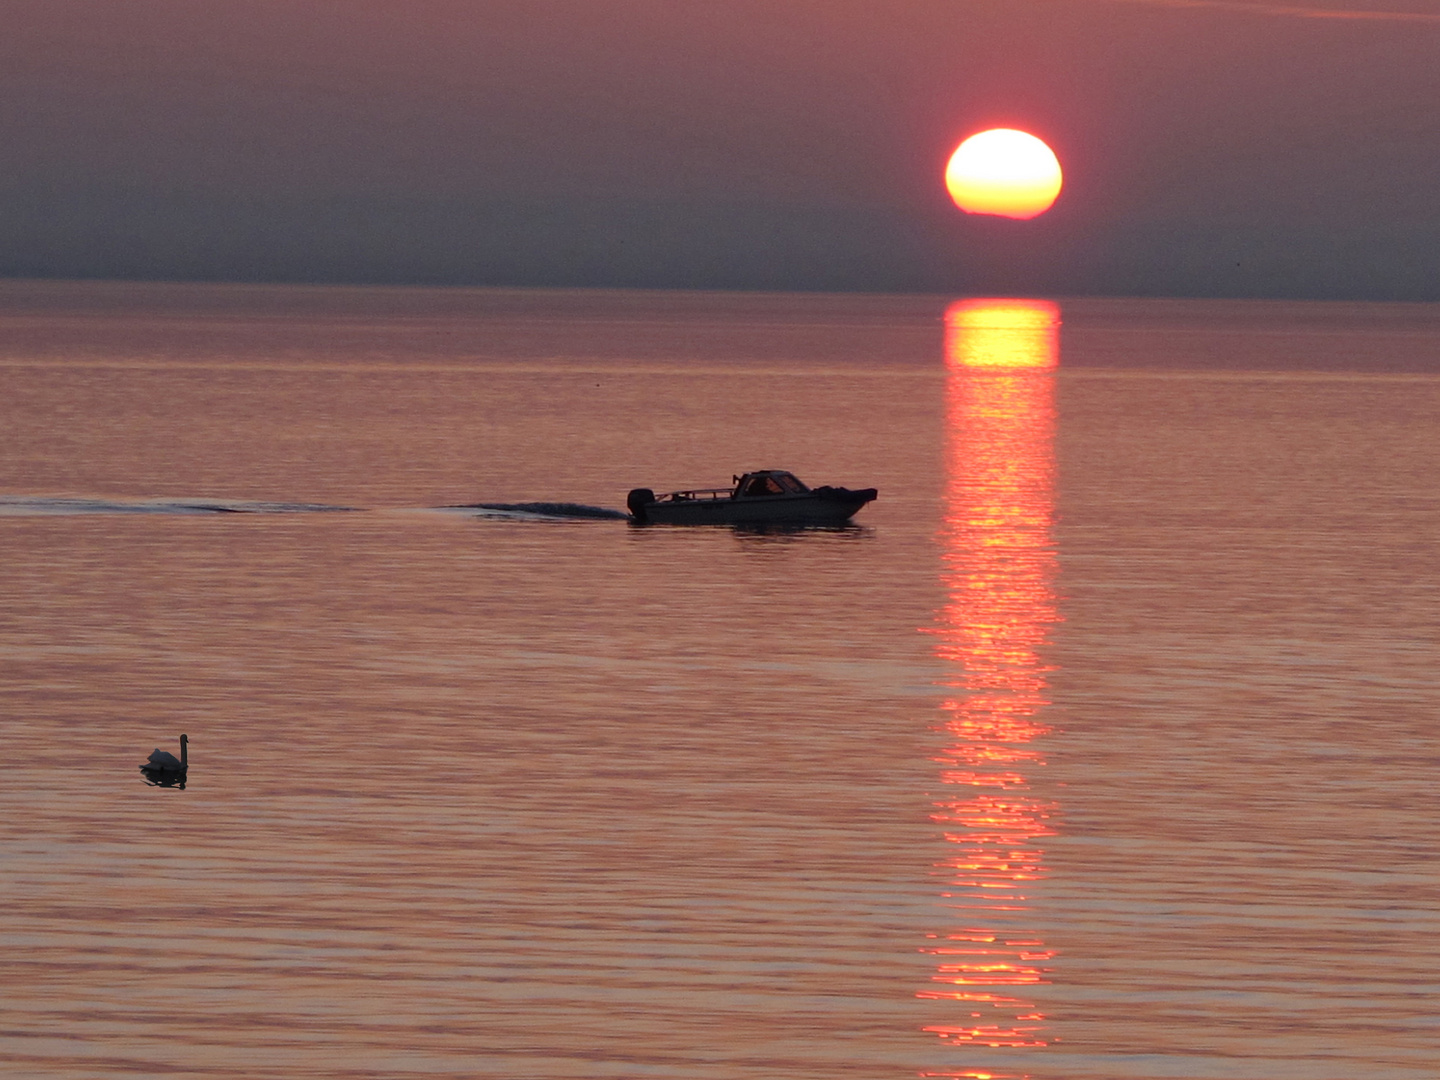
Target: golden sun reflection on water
(998,569)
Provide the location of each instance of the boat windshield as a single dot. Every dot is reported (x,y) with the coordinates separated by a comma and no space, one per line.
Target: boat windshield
(762,485)
(779,483)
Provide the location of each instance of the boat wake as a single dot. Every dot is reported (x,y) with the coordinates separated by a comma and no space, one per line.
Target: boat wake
(78,505)
(541,511)
(43,506)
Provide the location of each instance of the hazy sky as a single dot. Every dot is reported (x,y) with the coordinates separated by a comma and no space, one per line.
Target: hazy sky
(1210,148)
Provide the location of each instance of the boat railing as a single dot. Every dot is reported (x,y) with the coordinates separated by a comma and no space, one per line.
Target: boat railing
(697,495)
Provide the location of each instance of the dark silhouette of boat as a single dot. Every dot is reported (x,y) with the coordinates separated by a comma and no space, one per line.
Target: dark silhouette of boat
(768,496)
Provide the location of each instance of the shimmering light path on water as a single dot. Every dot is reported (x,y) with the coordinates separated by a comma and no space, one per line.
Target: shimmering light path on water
(998,565)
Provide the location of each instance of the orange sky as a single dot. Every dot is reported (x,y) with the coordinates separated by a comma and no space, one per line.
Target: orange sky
(1209,148)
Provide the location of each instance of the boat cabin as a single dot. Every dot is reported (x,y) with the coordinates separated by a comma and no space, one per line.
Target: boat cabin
(767,482)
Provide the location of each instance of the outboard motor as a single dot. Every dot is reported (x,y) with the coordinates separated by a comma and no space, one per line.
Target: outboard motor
(637,501)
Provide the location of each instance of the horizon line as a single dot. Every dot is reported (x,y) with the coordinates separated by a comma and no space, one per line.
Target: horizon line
(1294,11)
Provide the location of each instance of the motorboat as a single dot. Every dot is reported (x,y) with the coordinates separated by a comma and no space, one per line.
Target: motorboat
(768,496)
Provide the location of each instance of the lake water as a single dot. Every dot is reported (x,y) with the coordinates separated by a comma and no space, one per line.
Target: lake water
(1104,746)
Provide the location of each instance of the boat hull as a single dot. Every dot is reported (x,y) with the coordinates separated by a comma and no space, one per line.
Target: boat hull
(834,507)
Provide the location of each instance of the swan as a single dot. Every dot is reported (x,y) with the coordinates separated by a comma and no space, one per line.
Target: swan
(166,764)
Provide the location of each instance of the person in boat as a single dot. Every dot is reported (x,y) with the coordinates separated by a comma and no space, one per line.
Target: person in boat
(763,485)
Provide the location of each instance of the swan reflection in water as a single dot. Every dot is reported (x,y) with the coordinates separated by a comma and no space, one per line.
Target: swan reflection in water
(998,572)
(164,769)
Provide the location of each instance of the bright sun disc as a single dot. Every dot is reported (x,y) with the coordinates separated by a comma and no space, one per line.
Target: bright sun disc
(1004,172)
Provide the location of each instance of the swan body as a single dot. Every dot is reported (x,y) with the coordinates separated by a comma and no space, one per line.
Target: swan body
(162,761)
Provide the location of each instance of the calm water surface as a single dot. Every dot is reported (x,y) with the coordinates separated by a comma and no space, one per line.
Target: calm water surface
(1104,746)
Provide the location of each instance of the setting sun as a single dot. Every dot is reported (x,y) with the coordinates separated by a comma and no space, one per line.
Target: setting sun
(1004,172)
